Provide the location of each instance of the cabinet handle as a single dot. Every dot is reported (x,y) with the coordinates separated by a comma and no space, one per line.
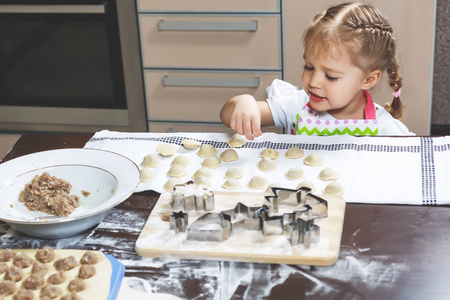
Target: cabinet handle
(53,9)
(207,26)
(212,82)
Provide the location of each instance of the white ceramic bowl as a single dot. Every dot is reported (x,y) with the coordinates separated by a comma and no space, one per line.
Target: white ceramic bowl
(110,178)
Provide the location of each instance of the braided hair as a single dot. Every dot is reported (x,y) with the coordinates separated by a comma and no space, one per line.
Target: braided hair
(367,37)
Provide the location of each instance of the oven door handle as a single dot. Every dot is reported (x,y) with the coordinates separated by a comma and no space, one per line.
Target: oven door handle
(211,82)
(53,9)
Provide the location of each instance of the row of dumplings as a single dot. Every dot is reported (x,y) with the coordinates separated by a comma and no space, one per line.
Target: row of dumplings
(204,175)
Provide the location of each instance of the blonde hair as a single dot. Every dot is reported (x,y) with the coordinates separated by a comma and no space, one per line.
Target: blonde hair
(367,37)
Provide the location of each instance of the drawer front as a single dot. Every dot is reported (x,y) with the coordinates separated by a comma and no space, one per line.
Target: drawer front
(218,42)
(199,96)
(198,127)
(209,5)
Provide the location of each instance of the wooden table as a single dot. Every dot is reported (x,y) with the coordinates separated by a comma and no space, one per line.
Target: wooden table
(387,252)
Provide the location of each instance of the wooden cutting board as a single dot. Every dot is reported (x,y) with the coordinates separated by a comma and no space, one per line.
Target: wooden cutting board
(157,240)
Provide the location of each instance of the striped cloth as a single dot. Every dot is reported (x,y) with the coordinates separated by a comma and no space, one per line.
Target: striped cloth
(396,170)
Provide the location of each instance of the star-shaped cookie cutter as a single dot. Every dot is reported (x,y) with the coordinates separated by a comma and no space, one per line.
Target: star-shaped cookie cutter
(299,225)
(179,221)
(242,217)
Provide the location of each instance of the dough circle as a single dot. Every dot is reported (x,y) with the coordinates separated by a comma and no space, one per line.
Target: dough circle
(329,174)
(267,164)
(190,144)
(234,172)
(308,184)
(232,184)
(294,152)
(151,161)
(171,183)
(333,188)
(229,155)
(177,171)
(258,182)
(181,160)
(237,141)
(166,150)
(206,150)
(205,172)
(295,173)
(211,162)
(146,174)
(313,160)
(203,181)
(269,153)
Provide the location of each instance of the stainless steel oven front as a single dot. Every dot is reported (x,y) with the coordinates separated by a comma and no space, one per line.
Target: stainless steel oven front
(70,66)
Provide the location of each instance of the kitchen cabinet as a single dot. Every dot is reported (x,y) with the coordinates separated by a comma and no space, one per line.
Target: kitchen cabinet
(197,54)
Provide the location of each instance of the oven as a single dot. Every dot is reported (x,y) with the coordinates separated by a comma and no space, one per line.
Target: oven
(70,66)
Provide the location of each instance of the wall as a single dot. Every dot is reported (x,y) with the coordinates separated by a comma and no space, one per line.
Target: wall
(412,21)
(441,77)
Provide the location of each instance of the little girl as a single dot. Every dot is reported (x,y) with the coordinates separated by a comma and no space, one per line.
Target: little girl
(347,48)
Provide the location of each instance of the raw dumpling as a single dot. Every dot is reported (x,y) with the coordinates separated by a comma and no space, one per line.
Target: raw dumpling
(232,184)
(267,164)
(295,173)
(237,141)
(151,161)
(258,182)
(171,183)
(229,155)
(329,174)
(203,172)
(202,180)
(190,144)
(269,153)
(181,160)
(333,188)
(177,171)
(313,160)
(211,162)
(206,150)
(295,152)
(269,188)
(234,172)
(166,149)
(146,174)
(308,184)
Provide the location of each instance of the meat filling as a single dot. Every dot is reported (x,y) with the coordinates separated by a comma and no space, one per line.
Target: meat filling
(50,195)
(45,255)
(22,261)
(7,287)
(65,264)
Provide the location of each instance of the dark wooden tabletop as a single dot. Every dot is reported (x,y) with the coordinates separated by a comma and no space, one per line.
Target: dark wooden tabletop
(387,252)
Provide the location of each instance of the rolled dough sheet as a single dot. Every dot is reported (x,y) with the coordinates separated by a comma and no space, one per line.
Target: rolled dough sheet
(97,287)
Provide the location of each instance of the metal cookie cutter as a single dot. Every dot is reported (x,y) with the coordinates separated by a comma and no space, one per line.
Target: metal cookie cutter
(299,225)
(303,232)
(188,196)
(179,221)
(242,217)
(212,227)
(299,197)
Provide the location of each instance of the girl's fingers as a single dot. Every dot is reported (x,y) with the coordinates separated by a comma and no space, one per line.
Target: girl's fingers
(247,126)
(256,129)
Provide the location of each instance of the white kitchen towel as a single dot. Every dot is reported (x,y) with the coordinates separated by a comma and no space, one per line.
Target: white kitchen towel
(395,170)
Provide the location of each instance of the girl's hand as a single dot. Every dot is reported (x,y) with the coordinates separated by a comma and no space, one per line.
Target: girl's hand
(246,117)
